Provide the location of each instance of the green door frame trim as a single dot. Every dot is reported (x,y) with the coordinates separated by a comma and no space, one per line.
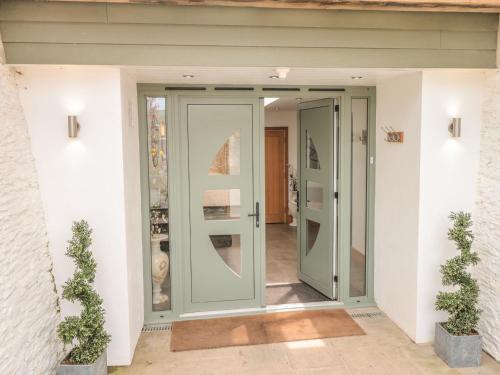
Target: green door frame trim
(178,187)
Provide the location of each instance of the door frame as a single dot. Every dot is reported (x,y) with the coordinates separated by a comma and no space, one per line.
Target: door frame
(284,129)
(179,200)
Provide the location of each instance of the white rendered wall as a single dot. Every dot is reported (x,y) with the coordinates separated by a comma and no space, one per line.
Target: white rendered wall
(448,177)
(418,184)
(28,302)
(84,178)
(396,200)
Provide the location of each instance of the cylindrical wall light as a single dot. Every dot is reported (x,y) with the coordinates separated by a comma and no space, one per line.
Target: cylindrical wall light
(455,128)
(73,127)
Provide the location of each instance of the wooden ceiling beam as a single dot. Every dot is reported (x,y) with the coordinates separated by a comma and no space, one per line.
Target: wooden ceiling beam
(475,6)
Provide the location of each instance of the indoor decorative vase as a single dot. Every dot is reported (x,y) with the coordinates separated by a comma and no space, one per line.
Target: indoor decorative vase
(159,267)
(292,208)
(457,351)
(97,368)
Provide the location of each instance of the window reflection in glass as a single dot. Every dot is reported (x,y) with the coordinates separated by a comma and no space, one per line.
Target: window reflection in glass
(358,198)
(314,195)
(312,234)
(221,204)
(228,247)
(158,202)
(227,159)
(312,159)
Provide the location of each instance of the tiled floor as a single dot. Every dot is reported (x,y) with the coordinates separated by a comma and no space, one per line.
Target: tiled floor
(281,260)
(384,350)
(281,254)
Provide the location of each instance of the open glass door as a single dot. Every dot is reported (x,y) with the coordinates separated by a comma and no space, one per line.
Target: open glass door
(317,184)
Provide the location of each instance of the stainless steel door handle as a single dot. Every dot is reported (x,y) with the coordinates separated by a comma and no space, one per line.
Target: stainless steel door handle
(256,214)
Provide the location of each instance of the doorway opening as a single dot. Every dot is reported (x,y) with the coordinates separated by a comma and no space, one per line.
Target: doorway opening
(286,137)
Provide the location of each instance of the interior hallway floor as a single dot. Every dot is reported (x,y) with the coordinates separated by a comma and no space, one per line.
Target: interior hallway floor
(283,286)
(384,350)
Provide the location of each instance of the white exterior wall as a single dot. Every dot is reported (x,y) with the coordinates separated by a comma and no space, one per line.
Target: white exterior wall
(487,218)
(84,178)
(28,302)
(448,178)
(418,184)
(396,200)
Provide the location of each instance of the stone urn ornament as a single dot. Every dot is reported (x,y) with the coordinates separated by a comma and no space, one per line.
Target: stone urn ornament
(160,265)
(456,340)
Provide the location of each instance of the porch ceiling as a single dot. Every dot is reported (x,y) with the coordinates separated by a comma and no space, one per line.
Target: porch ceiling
(260,76)
(492,6)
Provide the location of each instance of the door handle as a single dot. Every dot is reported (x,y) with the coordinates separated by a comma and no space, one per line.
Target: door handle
(256,214)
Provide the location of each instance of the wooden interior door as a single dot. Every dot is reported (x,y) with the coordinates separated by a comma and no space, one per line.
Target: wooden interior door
(276,175)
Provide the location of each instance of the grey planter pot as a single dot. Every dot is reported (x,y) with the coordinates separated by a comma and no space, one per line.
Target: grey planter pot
(458,351)
(97,368)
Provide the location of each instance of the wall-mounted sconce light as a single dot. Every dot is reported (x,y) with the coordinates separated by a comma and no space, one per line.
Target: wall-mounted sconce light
(455,128)
(73,127)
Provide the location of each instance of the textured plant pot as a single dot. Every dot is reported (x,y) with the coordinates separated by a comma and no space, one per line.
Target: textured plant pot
(97,368)
(457,351)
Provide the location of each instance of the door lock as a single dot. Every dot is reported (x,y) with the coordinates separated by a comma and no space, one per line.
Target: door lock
(256,214)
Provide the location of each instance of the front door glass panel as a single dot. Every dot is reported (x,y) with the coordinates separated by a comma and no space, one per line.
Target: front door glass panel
(312,158)
(314,195)
(221,204)
(228,247)
(227,159)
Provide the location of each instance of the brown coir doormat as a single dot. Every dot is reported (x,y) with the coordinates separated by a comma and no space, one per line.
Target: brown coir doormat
(262,329)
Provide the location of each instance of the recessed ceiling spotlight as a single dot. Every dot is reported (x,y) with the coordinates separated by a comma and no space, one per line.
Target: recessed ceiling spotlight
(356,77)
(189,76)
(274,76)
(298,99)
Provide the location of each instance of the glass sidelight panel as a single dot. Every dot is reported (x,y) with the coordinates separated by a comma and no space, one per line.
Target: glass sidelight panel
(221,204)
(358,203)
(158,202)
(314,195)
(228,246)
(227,159)
(312,234)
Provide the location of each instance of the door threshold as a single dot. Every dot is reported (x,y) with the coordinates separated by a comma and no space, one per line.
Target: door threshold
(263,310)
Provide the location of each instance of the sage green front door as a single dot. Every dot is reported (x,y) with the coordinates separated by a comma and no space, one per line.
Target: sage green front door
(317,170)
(221,134)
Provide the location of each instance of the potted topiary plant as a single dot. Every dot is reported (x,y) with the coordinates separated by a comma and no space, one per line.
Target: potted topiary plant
(457,341)
(88,355)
